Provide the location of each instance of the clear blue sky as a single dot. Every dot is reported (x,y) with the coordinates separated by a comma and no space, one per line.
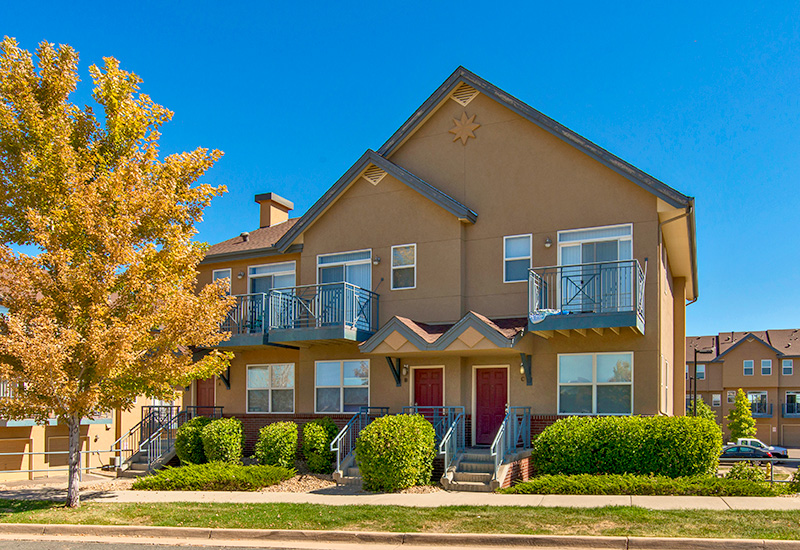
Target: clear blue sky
(704,98)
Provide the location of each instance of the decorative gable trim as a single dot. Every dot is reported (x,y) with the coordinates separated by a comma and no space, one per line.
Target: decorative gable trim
(373,174)
(463,94)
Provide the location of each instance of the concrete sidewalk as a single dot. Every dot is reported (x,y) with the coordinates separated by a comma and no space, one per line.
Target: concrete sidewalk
(440,498)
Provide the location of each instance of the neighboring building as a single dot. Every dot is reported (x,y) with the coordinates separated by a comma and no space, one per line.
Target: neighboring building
(409,281)
(765,365)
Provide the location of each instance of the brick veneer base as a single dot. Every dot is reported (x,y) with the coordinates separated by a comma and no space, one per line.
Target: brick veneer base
(518,471)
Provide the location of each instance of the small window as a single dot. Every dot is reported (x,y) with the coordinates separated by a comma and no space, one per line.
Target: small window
(766,367)
(788,367)
(748,367)
(701,372)
(595,383)
(218,274)
(341,386)
(404,266)
(270,388)
(716,400)
(516,258)
(731,397)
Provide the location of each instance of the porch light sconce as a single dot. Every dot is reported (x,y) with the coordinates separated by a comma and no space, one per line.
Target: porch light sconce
(548,242)
(405,370)
(240,275)
(522,369)
(376,260)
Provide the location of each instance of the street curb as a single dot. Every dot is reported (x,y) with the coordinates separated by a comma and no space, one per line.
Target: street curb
(411,539)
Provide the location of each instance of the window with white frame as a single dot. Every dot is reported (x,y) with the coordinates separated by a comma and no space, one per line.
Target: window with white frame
(595,383)
(766,367)
(516,258)
(716,400)
(758,401)
(270,388)
(341,386)
(748,367)
(701,372)
(788,367)
(731,397)
(404,266)
(346,267)
(219,274)
(263,278)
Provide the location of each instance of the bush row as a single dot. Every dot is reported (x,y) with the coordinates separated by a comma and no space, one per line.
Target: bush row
(202,440)
(658,445)
(629,484)
(214,476)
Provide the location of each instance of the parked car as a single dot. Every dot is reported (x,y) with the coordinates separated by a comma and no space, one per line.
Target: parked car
(743,451)
(777,452)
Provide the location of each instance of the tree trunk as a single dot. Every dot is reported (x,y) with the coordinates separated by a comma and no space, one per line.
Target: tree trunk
(73,496)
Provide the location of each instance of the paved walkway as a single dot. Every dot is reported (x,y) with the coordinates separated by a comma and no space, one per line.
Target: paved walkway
(441,498)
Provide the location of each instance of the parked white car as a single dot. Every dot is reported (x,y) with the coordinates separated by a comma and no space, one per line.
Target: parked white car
(777,452)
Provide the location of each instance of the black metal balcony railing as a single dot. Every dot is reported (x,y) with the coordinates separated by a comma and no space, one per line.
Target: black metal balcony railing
(761,409)
(593,288)
(304,307)
(790,410)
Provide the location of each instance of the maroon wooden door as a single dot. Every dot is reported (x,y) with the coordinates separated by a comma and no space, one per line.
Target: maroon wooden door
(491,398)
(205,395)
(428,387)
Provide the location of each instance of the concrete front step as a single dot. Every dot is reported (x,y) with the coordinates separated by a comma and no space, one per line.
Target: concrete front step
(353,472)
(477,467)
(477,457)
(138,466)
(469,486)
(349,480)
(132,473)
(475,477)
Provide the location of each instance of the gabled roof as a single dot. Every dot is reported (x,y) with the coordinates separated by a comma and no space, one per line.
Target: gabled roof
(784,342)
(260,239)
(740,342)
(371,157)
(503,333)
(661,190)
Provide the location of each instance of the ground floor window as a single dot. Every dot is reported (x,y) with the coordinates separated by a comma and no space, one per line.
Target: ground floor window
(270,388)
(716,399)
(341,386)
(595,383)
(731,397)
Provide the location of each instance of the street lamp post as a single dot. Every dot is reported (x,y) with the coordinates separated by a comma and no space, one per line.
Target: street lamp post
(694,391)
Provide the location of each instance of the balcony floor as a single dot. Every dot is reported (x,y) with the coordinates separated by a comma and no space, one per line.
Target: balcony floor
(587,321)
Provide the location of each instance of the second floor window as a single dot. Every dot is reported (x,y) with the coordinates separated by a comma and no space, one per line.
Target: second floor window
(766,367)
(701,372)
(516,258)
(263,278)
(218,274)
(788,367)
(748,367)
(346,267)
(404,266)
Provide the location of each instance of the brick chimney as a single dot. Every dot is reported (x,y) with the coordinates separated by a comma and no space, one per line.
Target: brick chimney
(274,209)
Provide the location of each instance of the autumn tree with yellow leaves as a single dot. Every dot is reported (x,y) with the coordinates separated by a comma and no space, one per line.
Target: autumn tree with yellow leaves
(106,307)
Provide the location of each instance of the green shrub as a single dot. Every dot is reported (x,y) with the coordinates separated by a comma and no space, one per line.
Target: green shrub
(659,445)
(740,420)
(277,444)
(396,452)
(629,484)
(223,440)
(743,471)
(189,442)
(214,476)
(317,446)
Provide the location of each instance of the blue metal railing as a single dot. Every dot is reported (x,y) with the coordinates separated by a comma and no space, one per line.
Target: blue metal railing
(309,306)
(600,287)
(761,409)
(454,440)
(790,410)
(440,417)
(514,435)
(345,441)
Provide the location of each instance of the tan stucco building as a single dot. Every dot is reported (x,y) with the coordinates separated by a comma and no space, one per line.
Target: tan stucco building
(764,364)
(485,256)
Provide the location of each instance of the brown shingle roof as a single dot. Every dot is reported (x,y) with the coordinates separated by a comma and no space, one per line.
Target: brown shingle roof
(264,237)
(786,341)
(430,333)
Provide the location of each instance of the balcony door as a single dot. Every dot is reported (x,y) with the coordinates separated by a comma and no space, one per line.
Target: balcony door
(342,304)
(793,402)
(278,306)
(592,278)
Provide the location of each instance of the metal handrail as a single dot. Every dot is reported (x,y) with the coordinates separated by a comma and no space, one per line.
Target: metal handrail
(453,441)
(514,433)
(440,417)
(345,441)
(761,410)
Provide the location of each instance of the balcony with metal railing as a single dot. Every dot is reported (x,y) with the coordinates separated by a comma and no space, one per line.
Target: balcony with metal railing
(790,410)
(596,296)
(330,311)
(761,409)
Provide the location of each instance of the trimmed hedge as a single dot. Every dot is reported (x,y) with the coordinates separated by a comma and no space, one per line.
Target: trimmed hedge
(214,476)
(628,484)
(189,441)
(317,446)
(396,452)
(277,444)
(223,440)
(659,445)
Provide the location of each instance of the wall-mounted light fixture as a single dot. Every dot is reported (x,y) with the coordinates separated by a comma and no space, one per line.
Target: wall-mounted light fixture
(240,275)
(405,370)
(376,260)
(548,242)
(522,369)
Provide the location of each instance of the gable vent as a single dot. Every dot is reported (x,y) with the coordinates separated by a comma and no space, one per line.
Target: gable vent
(463,94)
(373,174)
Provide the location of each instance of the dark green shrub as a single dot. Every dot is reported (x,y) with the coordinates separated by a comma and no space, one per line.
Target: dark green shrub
(317,446)
(396,452)
(223,440)
(214,476)
(330,426)
(743,471)
(277,444)
(189,441)
(629,484)
(659,445)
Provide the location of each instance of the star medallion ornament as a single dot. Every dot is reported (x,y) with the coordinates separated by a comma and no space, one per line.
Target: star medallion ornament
(464,128)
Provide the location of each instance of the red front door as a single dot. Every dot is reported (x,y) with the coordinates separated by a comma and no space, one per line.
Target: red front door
(428,387)
(491,398)
(205,395)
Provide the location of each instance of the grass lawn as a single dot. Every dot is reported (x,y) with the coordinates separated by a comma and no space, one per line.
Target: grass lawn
(615,520)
